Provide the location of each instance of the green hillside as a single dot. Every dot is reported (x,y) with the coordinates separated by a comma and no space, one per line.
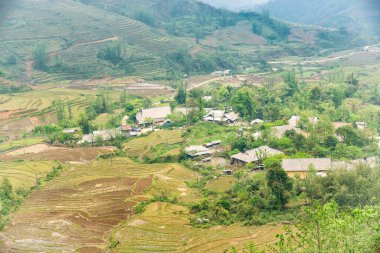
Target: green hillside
(44,41)
(356,15)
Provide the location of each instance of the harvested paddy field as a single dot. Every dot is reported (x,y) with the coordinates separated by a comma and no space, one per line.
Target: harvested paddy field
(140,146)
(44,152)
(166,227)
(77,210)
(24,174)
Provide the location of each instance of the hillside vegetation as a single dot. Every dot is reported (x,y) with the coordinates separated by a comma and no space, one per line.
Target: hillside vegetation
(45,41)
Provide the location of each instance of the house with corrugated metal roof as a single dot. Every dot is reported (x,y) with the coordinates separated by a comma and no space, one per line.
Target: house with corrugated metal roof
(156,114)
(301,166)
(256,155)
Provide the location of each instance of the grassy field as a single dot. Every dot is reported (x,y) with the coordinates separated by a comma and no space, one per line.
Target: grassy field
(165,227)
(24,174)
(221,184)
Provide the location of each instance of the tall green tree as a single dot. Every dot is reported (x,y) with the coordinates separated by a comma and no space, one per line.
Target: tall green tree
(242,101)
(292,83)
(278,181)
(40,57)
(181,95)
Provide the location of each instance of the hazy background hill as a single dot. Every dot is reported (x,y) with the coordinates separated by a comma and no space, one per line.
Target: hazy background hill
(50,40)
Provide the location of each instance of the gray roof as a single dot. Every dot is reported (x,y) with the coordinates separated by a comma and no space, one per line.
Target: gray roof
(256,154)
(303,164)
(197,151)
(184,110)
(156,113)
(220,116)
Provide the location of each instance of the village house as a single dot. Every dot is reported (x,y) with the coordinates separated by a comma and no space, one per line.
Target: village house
(256,155)
(126,130)
(104,135)
(300,167)
(156,114)
(183,110)
(371,162)
(221,72)
(221,116)
(197,151)
(213,144)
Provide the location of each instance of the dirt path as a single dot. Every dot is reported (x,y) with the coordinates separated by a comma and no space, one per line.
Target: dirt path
(29,64)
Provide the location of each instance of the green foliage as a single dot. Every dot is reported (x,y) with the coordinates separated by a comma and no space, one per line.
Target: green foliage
(324,228)
(54,173)
(145,17)
(279,183)
(242,101)
(47,129)
(113,53)
(40,57)
(181,95)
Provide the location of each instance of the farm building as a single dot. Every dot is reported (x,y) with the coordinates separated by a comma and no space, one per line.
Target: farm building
(368,161)
(184,110)
(213,144)
(221,72)
(157,114)
(126,130)
(196,151)
(256,155)
(220,116)
(300,167)
(105,135)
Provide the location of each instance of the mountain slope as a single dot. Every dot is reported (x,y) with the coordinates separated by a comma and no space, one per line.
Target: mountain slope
(145,38)
(355,15)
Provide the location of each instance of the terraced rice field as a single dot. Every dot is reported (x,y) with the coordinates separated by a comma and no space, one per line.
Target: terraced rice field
(140,146)
(78,210)
(44,152)
(24,174)
(165,227)
(8,145)
(76,32)
(23,112)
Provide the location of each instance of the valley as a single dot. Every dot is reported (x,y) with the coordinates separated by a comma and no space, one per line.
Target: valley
(176,126)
